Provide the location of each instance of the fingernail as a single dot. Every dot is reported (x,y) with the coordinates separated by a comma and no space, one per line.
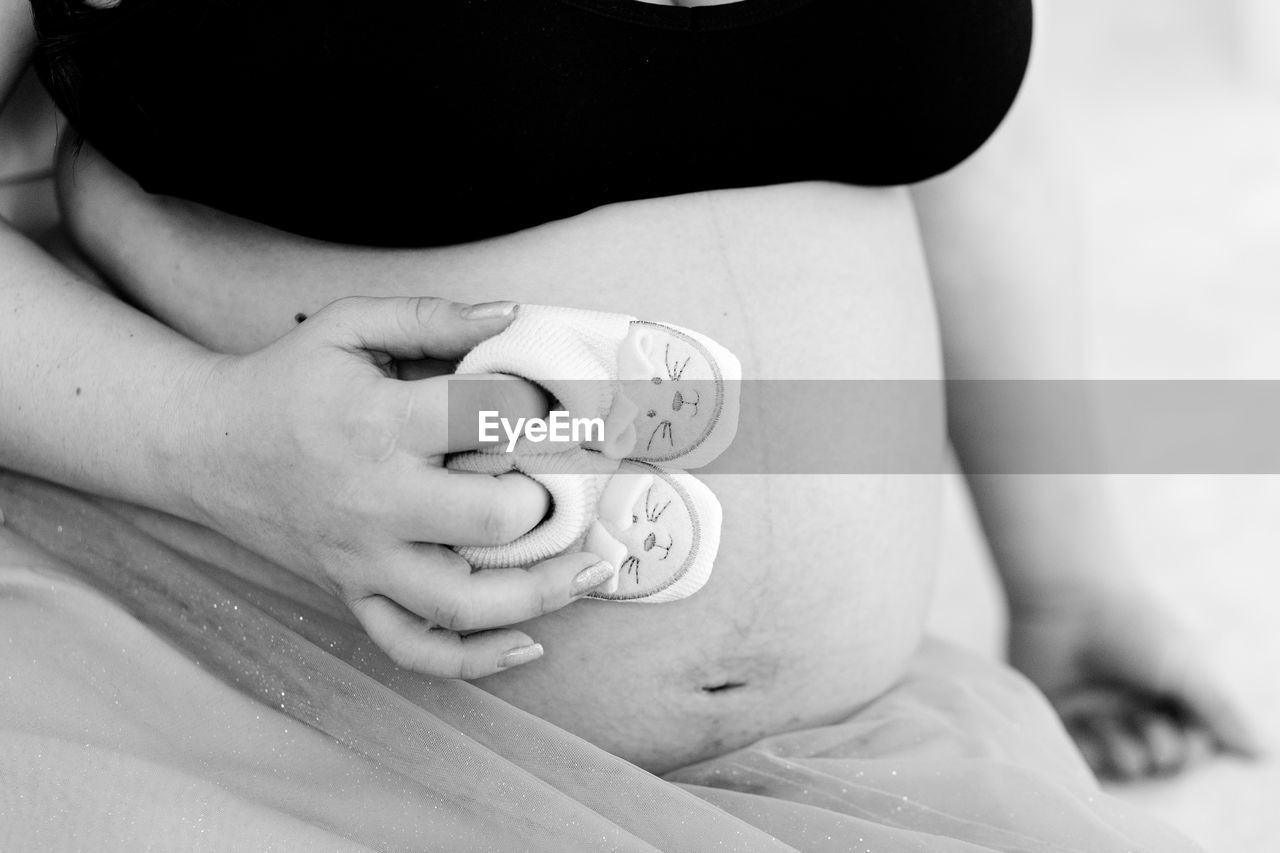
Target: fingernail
(519,655)
(489,311)
(590,578)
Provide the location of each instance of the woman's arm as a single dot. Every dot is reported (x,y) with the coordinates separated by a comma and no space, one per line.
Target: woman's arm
(241,284)
(306,451)
(69,355)
(1004,249)
(1003,242)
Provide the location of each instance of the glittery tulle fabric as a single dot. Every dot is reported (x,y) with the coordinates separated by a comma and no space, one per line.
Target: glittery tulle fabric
(153,699)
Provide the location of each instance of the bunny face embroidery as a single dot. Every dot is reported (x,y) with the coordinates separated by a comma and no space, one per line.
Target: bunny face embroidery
(681,400)
(647,525)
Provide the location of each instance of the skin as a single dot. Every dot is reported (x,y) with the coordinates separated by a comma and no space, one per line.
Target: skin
(342,484)
(1005,295)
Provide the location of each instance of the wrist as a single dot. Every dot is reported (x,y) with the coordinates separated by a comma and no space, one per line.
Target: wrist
(192,435)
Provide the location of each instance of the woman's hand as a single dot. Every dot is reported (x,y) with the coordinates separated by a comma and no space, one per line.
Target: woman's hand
(1130,683)
(311,453)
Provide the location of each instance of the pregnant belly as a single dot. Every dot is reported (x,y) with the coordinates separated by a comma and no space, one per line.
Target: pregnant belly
(821,585)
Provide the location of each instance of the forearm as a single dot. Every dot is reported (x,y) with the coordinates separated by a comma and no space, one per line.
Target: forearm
(1004,248)
(93,394)
(231,284)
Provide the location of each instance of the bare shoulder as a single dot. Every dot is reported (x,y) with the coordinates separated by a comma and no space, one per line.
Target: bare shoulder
(17,39)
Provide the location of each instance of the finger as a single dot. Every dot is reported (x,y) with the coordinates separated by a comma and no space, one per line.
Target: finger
(1091,748)
(1125,757)
(1200,744)
(438,585)
(414,327)
(1082,704)
(467,508)
(444,415)
(1164,738)
(413,643)
(1079,709)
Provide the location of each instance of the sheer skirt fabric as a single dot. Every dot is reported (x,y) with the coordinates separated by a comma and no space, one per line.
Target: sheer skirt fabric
(162,687)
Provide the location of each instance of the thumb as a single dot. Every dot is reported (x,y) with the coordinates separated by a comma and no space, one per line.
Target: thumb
(1162,656)
(1179,672)
(1216,709)
(414,327)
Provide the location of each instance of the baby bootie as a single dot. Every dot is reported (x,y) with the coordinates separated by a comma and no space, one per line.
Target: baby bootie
(666,395)
(658,526)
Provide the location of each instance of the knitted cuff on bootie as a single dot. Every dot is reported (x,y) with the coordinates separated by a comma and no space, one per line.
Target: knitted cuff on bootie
(666,395)
(660,528)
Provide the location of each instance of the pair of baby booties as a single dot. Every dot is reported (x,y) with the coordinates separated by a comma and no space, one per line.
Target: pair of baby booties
(668,398)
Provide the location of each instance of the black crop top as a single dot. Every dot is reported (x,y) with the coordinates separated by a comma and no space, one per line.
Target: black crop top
(442,121)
